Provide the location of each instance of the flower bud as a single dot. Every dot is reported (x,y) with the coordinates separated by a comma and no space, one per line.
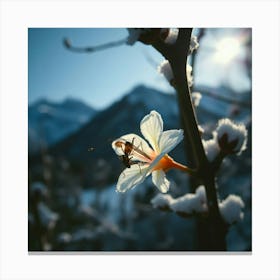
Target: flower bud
(231,209)
(165,69)
(211,148)
(232,138)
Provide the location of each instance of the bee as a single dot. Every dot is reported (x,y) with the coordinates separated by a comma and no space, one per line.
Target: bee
(128,148)
(127,161)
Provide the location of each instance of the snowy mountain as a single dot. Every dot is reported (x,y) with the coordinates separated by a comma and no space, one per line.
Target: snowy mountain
(49,122)
(118,119)
(124,117)
(214,100)
(83,181)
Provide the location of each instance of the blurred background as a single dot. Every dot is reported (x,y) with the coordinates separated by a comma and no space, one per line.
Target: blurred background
(80,102)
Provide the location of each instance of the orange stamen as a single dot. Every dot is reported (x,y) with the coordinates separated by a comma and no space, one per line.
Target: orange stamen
(167,163)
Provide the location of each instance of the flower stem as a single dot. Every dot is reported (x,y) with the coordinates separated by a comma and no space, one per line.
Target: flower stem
(184,168)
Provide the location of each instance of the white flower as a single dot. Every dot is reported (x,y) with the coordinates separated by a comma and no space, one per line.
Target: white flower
(172,36)
(231,209)
(211,148)
(162,201)
(191,202)
(232,137)
(142,160)
(165,69)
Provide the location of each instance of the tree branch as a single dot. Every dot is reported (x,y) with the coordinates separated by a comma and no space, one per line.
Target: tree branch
(177,54)
(223,98)
(67,43)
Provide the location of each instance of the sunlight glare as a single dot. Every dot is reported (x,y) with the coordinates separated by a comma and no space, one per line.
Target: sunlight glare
(227,50)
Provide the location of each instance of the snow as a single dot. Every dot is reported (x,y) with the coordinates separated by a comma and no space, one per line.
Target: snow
(49,122)
(193,44)
(165,69)
(191,203)
(162,200)
(231,209)
(172,36)
(201,129)
(189,75)
(211,148)
(196,97)
(234,132)
(147,99)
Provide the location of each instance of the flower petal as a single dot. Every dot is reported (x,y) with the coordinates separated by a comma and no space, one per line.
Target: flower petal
(138,142)
(169,139)
(160,181)
(131,177)
(151,127)
(155,162)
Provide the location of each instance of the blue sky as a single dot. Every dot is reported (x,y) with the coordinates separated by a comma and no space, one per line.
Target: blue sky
(103,77)
(98,78)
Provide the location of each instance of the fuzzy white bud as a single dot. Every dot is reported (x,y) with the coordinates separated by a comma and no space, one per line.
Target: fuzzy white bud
(165,69)
(232,137)
(211,148)
(231,209)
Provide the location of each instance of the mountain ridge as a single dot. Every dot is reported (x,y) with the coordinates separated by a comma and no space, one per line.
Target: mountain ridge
(50,121)
(117,119)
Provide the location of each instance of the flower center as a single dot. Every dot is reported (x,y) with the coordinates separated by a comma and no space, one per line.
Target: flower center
(167,162)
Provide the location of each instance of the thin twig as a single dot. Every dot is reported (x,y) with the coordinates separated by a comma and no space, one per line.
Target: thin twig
(67,43)
(223,98)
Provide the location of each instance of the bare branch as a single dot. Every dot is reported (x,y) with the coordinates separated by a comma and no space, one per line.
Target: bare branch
(177,54)
(68,45)
(223,98)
